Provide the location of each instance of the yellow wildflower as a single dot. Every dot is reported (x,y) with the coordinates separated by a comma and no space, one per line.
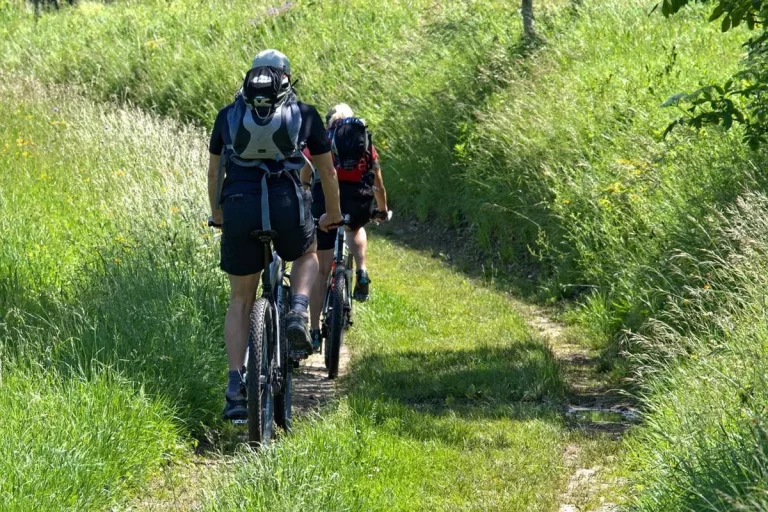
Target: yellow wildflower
(566,201)
(117,260)
(119,173)
(43,176)
(174,209)
(604,202)
(25,154)
(615,188)
(153,44)
(707,286)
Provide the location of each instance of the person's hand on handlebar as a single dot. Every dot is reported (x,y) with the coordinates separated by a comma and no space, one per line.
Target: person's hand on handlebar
(330,221)
(213,223)
(217,219)
(382,216)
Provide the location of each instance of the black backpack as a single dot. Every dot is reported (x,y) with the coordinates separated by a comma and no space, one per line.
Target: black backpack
(351,146)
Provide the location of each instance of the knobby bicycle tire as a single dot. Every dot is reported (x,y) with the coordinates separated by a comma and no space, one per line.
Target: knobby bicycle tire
(283,400)
(260,399)
(336,322)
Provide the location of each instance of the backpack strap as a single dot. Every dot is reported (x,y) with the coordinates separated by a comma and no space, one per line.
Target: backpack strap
(266,223)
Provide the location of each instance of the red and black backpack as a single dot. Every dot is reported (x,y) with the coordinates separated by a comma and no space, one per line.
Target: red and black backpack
(352,150)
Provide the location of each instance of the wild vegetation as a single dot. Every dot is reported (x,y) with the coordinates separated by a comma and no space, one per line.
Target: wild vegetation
(113,366)
(564,173)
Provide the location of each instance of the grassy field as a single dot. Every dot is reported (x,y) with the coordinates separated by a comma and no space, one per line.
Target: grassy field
(108,281)
(113,363)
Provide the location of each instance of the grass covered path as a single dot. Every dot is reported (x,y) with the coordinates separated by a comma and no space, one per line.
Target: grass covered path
(112,310)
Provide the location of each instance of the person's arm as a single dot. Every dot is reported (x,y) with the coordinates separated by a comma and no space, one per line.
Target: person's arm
(378,189)
(213,190)
(330,182)
(306,176)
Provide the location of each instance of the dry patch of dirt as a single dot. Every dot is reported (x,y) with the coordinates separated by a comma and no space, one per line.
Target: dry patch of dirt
(311,386)
(593,408)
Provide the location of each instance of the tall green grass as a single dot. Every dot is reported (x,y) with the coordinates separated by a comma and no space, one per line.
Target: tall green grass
(109,321)
(557,151)
(704,443)
(110,344)
(557,157)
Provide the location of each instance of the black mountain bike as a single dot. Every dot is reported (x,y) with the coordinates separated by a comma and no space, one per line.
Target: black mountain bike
(337,305)
(269,365)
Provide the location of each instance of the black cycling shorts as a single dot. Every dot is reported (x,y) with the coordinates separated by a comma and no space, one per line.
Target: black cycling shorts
(356,203)
(242,255)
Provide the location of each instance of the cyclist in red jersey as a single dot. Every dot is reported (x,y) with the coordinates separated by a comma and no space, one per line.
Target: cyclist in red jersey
(360,182)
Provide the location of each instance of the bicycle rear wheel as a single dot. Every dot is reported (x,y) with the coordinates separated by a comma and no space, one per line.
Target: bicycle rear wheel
(261,341)
(283,399)
(336,321)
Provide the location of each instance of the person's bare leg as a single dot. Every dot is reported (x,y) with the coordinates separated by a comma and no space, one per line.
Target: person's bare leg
(241,298)
(324,259)
(358,244)
(303,272)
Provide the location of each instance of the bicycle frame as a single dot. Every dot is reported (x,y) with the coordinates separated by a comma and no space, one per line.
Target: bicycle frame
(341,256)
(271,277)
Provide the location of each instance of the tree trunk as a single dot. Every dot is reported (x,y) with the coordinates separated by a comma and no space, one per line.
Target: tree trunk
(528,20)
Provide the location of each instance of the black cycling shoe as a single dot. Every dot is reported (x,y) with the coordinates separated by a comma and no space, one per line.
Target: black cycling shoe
(361,286)
(236,407)
(297,331)
(317,341)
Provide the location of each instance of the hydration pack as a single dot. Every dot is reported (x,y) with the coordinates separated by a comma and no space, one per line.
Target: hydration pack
(264,122)
(352,150)
(263,133)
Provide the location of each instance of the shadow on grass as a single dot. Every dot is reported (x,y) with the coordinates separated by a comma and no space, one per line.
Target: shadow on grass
(464,398)
(523,371)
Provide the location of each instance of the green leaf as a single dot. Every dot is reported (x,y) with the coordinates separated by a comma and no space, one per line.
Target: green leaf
(719,10)
(736,17)
(726,23)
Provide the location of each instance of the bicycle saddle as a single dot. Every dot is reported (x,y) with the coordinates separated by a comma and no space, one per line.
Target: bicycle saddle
(264,236)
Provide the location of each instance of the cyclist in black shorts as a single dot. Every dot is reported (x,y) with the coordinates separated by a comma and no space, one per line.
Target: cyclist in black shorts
(255,149)
(360,181)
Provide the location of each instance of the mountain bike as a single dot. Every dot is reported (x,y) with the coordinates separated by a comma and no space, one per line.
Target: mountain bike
(336,316)
(269,364)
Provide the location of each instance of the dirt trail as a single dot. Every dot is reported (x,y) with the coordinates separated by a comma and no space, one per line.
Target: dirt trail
(311,386)
(180,487)
(592,407)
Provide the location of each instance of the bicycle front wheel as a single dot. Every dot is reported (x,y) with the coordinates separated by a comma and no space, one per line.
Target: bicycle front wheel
(261,341)
(336,321)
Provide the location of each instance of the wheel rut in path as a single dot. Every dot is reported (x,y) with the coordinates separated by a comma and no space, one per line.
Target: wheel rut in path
(311,387)
(592,408)
(180,486)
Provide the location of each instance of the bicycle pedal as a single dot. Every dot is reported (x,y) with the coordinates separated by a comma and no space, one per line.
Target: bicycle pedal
(298,355)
